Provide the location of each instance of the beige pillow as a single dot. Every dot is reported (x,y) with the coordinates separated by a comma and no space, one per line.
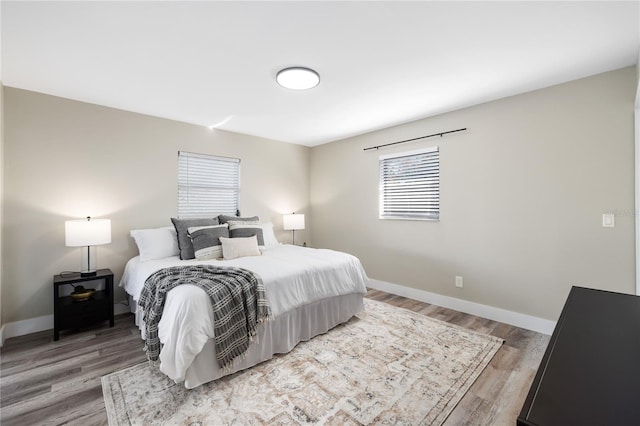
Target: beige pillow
(233,248)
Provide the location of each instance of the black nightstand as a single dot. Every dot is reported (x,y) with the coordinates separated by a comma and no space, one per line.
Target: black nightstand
(70,313)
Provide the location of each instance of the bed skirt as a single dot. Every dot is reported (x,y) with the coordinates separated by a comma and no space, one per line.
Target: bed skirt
(278,336)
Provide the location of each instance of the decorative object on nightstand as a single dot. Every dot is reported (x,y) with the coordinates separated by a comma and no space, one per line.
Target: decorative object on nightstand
(293,222)
(80,293)
(87,234)
(85,305)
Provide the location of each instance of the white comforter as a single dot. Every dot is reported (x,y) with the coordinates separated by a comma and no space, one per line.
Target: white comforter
(293,276)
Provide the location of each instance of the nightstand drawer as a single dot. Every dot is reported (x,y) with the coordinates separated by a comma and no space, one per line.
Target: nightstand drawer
(80,320)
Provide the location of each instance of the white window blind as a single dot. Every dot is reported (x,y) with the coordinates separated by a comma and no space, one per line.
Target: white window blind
(410,185)
(207,185)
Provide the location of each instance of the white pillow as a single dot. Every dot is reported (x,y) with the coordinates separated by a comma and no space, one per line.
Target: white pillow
(156,243)
(268,235)
(233,248)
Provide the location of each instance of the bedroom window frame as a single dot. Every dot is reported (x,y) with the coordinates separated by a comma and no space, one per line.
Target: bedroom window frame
(208,185)
(409,185)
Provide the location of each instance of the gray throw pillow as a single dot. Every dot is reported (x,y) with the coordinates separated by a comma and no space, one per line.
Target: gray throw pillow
(206,241)
(182,229)
(239,230)
(223,218)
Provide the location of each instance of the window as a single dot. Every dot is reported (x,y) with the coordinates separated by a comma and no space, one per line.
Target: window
(410,185)
(207,185)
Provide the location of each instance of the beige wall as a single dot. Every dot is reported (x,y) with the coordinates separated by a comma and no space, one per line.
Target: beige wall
(1,195)
(637,171)
(66,159)
(523,191)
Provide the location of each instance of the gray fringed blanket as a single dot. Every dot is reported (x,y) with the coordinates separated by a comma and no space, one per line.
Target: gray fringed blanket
(237,297)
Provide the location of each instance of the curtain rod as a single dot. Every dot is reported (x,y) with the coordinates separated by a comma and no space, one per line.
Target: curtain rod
(415,139)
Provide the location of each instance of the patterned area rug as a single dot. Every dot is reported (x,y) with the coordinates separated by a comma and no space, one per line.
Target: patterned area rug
(385,366)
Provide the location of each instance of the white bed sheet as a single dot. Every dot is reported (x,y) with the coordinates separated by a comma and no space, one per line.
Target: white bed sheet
(293,277)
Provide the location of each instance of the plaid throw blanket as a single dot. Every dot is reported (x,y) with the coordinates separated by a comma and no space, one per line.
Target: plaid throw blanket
(238,301)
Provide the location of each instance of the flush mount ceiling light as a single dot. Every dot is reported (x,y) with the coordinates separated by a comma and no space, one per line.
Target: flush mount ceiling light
(298,78)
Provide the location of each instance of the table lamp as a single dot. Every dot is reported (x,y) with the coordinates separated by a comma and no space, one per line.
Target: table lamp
(293,222)
(87,233)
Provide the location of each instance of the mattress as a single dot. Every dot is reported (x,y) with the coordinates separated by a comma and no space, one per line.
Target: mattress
(309,290)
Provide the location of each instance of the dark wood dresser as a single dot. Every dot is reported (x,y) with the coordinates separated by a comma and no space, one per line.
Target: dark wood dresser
(590,372)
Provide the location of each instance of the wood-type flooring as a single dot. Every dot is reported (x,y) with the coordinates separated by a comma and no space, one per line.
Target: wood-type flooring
(43,382)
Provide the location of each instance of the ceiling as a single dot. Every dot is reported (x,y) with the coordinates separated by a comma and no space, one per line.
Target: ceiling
(380,63)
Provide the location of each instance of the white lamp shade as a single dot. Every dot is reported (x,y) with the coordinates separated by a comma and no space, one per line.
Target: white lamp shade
(293,222)
(85,232)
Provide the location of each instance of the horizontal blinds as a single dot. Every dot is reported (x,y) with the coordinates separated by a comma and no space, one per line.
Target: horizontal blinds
(410,185)
(207,185)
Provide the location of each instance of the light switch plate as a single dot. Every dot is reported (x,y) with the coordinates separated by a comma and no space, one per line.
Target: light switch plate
(608,220)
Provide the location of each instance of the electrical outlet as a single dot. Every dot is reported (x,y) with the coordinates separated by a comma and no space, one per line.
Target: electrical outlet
(608,220)
(459,282)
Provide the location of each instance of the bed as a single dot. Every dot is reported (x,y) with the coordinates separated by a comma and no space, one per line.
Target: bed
(309,290)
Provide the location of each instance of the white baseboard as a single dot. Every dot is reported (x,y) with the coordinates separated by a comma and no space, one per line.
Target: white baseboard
(34,325)
(529,322)
(28,326)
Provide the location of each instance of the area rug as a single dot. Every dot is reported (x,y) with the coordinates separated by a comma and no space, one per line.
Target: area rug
(387,365)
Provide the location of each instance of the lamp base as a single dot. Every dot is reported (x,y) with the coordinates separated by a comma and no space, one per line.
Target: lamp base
(89,261)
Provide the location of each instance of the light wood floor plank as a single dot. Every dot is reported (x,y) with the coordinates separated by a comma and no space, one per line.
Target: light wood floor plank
(43,382)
